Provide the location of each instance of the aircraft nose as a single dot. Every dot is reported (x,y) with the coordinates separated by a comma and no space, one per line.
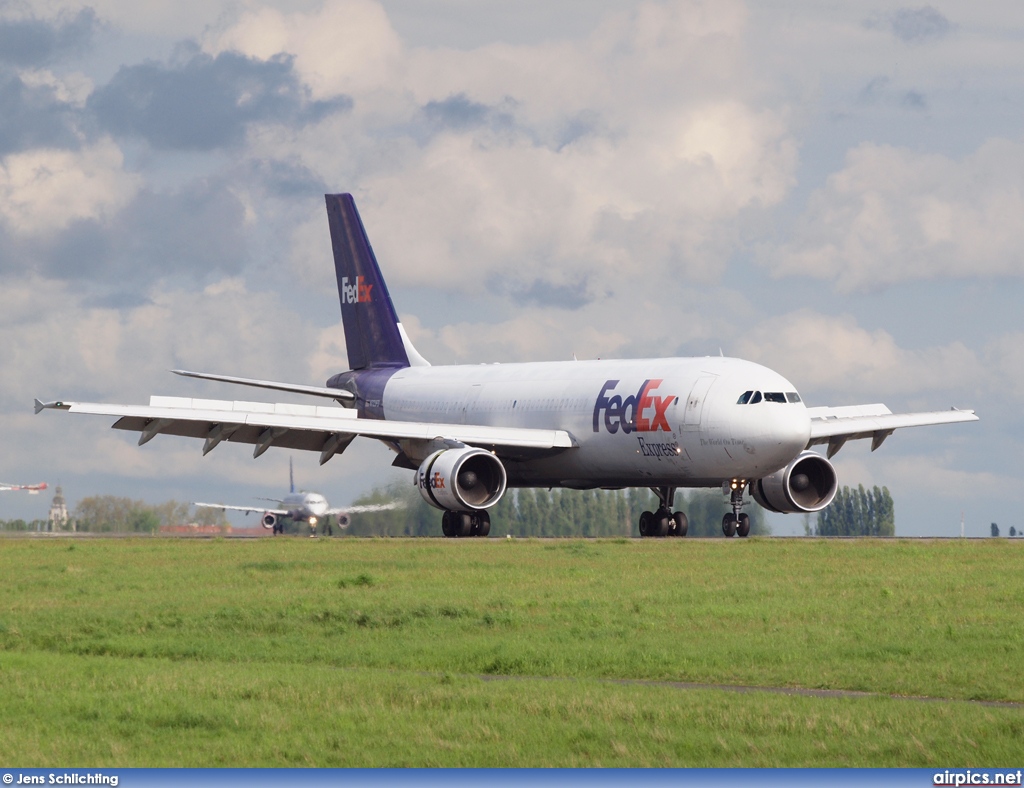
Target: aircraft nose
(791,428)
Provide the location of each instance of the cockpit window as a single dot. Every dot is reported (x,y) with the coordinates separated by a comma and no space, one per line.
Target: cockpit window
(753,397)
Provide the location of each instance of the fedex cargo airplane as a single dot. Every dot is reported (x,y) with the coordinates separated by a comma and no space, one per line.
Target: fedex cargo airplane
(300,506)
(470,432)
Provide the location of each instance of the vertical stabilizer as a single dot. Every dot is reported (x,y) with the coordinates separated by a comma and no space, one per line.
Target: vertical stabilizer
(373,337)
(291,476)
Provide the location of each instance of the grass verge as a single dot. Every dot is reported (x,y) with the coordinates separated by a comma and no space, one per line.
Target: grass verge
(365,652)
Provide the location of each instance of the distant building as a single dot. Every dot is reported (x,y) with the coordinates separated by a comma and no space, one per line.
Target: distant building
(58,519)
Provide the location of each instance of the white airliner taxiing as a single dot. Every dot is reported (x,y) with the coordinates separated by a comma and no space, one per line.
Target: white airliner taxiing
(471,432)
(301,506)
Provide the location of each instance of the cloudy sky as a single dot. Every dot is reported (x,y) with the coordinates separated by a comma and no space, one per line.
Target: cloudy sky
(835,190)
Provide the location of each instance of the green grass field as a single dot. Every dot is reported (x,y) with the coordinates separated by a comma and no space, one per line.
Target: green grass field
(350,652)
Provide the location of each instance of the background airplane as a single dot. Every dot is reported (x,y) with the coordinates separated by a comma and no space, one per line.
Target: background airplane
(470,432)
(301,506)
(31,489)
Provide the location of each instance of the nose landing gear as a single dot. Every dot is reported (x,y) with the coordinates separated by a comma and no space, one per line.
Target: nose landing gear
(663,522)
(734,523)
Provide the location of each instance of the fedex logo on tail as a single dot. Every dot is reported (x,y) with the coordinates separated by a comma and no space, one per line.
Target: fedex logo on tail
(640,412)
(358,293)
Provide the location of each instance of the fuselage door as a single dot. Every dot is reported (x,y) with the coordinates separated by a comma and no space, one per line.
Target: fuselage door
(470,402)
(695,403)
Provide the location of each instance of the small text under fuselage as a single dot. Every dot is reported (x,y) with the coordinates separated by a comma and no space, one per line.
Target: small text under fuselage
(656,449)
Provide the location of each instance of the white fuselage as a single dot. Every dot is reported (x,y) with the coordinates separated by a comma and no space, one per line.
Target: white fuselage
(304,505)
(636,422)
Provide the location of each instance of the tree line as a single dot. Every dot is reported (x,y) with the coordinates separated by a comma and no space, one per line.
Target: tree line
(522,513)
(857,512)
(557,512)
(111,514)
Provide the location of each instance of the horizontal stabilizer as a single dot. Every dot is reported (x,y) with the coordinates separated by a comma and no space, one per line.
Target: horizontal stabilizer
(317,391)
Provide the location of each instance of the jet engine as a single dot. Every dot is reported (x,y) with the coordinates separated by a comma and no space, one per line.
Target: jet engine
(269,520)
(461,480)
(343,520)
(807,484)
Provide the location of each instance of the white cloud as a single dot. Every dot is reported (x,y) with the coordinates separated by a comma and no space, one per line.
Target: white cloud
(174,18)
(1004,358)
(78,349)
(46,190)
(836,357)
(342,47)
(529,336)
(69,88)
(628,164)
(893,215)
(328,356)
(637,149)
(469,207)
(935,477)
(59,347)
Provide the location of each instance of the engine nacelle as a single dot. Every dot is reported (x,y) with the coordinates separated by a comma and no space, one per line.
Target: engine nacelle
(269,520)
(808,484)
(344,520)
(460,480)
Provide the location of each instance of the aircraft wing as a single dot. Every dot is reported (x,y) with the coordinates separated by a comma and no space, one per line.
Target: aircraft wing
(326,429)
(247,509)
(836,426)
(368,507)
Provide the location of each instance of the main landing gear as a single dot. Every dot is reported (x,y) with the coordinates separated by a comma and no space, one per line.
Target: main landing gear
(663,522)
(460,524)
(735,523)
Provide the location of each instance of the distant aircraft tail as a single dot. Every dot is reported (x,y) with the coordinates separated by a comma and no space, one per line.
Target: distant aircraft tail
(373,335)
(291,476)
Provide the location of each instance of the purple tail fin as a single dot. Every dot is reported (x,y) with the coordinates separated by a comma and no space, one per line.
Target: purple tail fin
(372,336)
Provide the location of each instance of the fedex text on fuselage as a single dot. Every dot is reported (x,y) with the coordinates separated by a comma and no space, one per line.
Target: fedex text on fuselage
(640,412)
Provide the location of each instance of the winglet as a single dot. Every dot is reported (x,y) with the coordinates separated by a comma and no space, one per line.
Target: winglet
(58,405)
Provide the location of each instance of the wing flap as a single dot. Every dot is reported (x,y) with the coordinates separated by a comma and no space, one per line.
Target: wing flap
(836,426)
(367,507)
(304,427)
(247,509)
